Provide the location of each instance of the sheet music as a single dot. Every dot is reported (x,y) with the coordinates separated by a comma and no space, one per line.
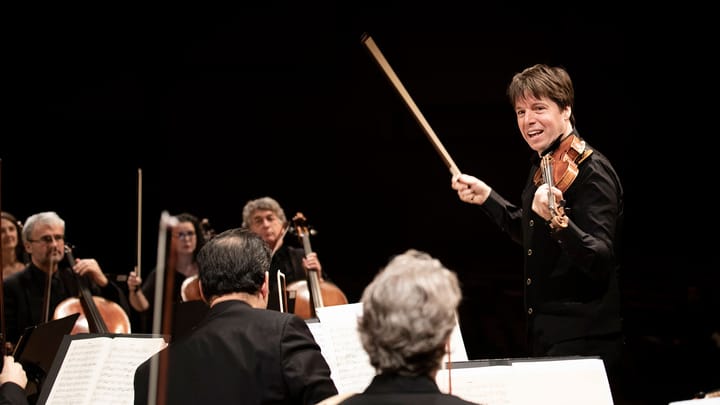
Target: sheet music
(115,384)
(340,343)
(79,371)
(564,381)
(483,385)
(101,370)
(326,345)
(524,382)
(457,347)
(558,381)
(349,366)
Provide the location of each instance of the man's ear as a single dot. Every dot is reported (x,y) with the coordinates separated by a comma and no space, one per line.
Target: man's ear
(265,287)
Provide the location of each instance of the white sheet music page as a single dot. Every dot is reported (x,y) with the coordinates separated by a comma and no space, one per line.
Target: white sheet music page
(337,335)
(488,385)
(80,371)
(457,347)
(561,382)
(351,370)
(101,370)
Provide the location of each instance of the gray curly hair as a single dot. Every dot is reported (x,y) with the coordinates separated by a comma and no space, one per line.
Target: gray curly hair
(409,312)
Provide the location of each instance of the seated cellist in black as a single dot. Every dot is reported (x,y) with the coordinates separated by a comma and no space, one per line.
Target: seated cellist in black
(25,299)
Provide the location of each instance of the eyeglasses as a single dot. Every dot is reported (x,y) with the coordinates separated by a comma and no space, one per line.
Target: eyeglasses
(185,235)
(48,239)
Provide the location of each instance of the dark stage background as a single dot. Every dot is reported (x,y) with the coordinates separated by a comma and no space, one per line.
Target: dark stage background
(218,106)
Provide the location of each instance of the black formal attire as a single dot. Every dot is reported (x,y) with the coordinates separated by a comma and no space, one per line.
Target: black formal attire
(185,314)
(24,295)
(240,354)
(572,297)
(397,389)
(287,259)
(12,394)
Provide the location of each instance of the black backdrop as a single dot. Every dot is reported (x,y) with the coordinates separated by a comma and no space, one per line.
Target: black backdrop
(218,106)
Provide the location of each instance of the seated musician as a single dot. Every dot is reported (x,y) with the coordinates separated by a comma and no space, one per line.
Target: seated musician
(409,312)
(240,352)
(25,298)
(265,217)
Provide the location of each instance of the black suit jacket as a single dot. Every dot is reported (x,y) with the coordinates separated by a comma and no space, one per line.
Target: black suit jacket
(396,389)
(12,394)
(239,354)
(24,293)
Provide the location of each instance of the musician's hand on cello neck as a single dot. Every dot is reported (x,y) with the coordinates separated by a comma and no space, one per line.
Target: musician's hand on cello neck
(91,268)
(311,262)
(470,189)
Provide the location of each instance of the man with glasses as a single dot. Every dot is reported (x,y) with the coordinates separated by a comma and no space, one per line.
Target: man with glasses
(24,300)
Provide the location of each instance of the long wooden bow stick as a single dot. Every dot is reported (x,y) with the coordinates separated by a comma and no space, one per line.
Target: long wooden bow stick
(385,66)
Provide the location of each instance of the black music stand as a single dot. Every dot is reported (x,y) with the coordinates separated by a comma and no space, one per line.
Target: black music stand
(38,345)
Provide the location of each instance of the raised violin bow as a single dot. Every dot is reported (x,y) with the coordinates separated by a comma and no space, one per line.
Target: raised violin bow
(390,73)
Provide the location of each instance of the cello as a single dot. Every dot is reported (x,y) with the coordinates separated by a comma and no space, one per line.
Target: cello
(312,293)
(97,314)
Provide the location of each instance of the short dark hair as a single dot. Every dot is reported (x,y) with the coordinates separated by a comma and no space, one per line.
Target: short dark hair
(235,260)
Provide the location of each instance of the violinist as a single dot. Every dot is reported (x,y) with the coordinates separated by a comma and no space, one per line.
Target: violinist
(25,299)
(568,232)
(265,217)
(187,237)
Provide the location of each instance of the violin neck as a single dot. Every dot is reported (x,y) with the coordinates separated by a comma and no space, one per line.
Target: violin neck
(547,170)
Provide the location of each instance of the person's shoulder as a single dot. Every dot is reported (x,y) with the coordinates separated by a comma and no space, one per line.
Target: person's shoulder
(15,278)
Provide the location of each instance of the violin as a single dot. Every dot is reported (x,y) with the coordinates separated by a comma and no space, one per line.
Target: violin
(312,293)
(97,314)
(559,169)
(563,163)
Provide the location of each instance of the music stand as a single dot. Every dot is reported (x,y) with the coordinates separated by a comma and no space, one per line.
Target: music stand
(38,345)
